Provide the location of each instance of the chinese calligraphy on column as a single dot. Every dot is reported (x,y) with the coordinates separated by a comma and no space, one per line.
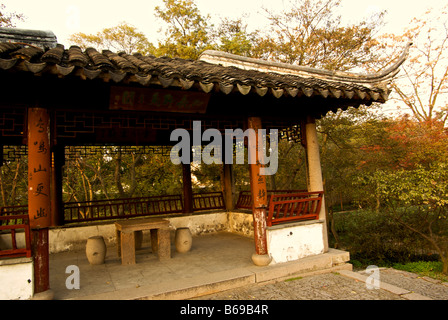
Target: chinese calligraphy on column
(259,191)
(39,168)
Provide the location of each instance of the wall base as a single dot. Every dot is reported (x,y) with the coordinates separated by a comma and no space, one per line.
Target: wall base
(293,241)
(16,278)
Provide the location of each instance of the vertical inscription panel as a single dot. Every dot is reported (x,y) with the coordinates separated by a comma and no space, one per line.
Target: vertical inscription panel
(259,191)
(39,168)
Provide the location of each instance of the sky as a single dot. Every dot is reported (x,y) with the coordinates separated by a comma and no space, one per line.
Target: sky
(65,17)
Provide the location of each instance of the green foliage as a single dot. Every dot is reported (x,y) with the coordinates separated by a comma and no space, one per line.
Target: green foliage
(343,137)
(112,174)
(431,269)
(417,187)
(14,182)
(121,38)
(187,32)
(232,36)
(373,238)
(420,266)
(291,171)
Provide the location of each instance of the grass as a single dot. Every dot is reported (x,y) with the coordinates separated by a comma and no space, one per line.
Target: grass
(432,269)
(293,279)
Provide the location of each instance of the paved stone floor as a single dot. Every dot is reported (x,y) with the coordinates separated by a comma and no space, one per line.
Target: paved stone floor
(337,286)
(210,256)
(225,257)
(329,286)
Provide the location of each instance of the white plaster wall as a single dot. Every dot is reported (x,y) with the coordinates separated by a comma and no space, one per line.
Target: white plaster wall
(16,279)
(202,223)
(75,238)
(6,240)
(295,241)
(241,223)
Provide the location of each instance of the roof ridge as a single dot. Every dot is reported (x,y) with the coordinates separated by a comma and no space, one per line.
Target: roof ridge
(229,59)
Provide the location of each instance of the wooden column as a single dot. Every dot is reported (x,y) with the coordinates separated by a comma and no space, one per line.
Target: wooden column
(187,189)
(259,198)
(39,200)
(314,170)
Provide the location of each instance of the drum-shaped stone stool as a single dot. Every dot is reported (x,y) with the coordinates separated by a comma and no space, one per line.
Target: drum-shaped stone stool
(183,240)
(96,250)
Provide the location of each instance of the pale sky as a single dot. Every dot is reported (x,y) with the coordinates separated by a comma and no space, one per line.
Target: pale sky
(65,17)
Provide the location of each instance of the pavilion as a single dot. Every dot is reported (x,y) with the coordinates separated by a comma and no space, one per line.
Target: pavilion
(55,97)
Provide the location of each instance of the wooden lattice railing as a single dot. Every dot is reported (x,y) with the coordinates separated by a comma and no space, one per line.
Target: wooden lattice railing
(293,207)
(286,205)
(136,207)
(245,198)
(10,225)
(121,208)
(208,201)
(130,207)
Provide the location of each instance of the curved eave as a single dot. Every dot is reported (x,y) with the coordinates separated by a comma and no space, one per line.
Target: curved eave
(227,59)
(213,72)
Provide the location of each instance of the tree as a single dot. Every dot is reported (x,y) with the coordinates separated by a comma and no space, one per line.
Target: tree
(422,86)
(187,32)
(13,181)
(8,19)
(121,38)
(346,138)
(418,143)
(310,34)
(232,36)
(418,200)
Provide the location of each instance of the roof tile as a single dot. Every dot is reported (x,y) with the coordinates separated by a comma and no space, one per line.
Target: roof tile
(165,71)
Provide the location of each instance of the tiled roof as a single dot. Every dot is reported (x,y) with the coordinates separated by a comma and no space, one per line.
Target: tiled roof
(224,72)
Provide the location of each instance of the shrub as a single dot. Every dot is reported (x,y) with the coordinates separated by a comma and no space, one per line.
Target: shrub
(372,237)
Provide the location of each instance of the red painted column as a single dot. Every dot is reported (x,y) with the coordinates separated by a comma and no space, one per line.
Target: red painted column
(39,200)
(259,198)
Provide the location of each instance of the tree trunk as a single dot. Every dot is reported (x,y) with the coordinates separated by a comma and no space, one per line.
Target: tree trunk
(14,184)
(133,187)
(333,228)
(2,188)
(117,175)
(445,264)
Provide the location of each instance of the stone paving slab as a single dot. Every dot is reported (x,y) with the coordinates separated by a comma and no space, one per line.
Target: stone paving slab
(328,286)
(423,286)
(342,285)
